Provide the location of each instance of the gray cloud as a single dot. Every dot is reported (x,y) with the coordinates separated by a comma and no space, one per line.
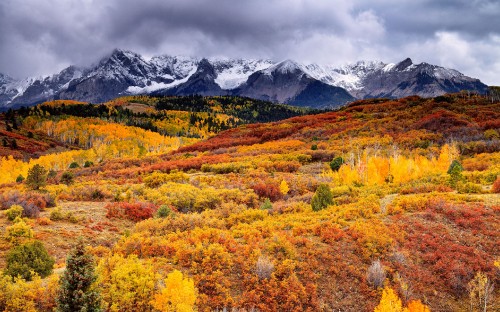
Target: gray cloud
(42,37)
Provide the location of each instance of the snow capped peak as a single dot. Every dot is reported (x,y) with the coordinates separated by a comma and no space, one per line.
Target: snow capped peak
(288,66)
(126,53)
(118,56)
(284,67)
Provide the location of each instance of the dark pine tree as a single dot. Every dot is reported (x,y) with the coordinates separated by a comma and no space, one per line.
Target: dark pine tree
(77,292)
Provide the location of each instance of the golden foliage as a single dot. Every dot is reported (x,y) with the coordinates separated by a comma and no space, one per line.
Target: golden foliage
(126,283)
(178,294)
(389,302)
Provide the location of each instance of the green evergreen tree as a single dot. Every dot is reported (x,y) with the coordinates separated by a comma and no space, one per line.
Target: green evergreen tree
(266,205)
(163,212)
(322,198)
(455,165)
(77,292)
(455,172)
(24,260)
(336,163)
(37,177)
(20,178)
(67,177)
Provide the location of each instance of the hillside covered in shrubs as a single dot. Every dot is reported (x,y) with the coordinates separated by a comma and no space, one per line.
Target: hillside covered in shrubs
(383,205)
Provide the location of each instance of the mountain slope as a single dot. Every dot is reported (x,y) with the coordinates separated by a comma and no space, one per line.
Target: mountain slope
(406,78)
(288,82)
(201,82)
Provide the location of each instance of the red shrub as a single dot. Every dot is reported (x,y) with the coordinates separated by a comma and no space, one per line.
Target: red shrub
(132,211)
(466,216)
(496,186)
(268,190)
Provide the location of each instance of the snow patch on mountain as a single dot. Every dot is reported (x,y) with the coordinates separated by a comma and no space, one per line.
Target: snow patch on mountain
(155,86)
(445,73)
(174,66)
(20,86)
(348,76)
(233,73)
(388,67)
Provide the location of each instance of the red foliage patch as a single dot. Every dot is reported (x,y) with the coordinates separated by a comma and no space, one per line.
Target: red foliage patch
(442,120)
(132,211)
(269,190)
(496,186)
(450,242)
(189,163)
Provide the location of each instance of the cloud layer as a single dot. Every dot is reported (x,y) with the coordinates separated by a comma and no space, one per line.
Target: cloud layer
(42,37)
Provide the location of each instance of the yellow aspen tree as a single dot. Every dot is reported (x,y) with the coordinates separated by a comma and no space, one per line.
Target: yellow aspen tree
(178,295)
(346,175)
(284,189)
(480,292)
(389,302)
(447,155)
(126,284)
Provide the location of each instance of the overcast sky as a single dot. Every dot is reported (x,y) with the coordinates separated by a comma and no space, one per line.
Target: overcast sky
(44,36)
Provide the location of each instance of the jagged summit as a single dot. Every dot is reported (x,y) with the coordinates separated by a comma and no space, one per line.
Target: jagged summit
(404,64)
(125,72)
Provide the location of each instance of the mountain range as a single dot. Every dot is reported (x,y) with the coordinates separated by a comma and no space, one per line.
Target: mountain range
(320,86)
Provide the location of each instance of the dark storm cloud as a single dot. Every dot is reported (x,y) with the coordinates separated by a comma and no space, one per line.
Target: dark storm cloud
(423,18)
(41,37)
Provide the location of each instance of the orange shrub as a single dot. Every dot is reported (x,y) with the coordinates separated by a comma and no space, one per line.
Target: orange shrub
(44,221)
(410,203)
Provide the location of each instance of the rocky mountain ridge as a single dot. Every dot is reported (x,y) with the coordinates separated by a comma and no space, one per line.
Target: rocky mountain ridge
(125,72)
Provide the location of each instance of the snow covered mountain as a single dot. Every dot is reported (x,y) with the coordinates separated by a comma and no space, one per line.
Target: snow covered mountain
(124,72)
(290,82)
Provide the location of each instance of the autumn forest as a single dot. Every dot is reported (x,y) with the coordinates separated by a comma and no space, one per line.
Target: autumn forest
(171,203)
